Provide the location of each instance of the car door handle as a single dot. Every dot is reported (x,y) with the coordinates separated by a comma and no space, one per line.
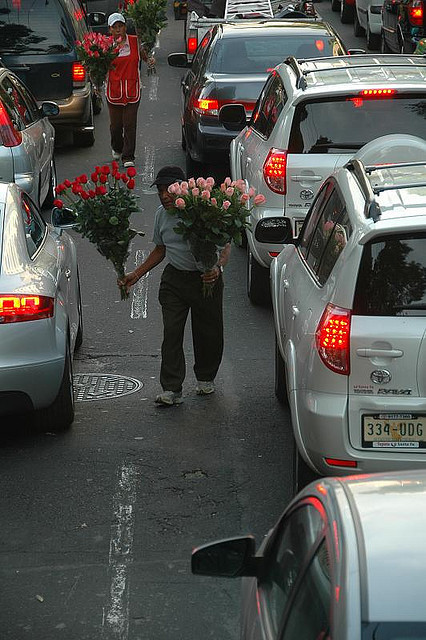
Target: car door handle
(248,160)
(309,178)
(68,273)
(295,310)
(379,353)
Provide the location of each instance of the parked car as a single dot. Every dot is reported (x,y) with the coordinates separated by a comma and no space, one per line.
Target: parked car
(368,21)
(332,565)
(346,8)
(349,301)
(27,140)
(231,66)
(311,117)
(40,313)
(403,25)
(38,43)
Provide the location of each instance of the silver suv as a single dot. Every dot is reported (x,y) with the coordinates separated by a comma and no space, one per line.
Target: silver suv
(349,301)
(311,117)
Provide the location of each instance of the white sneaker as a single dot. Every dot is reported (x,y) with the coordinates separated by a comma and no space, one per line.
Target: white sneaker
(205,387)
(128,163)
(169,398)
(115,155)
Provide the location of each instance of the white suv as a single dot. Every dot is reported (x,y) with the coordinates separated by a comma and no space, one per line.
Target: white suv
(349,301)
(311,117)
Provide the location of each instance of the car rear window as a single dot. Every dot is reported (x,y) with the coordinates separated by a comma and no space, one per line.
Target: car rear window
(346,124)
(260,54)
(33,27)
(392,277)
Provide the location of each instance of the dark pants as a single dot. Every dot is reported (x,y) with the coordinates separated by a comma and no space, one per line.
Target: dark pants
(123,120)
(181,292)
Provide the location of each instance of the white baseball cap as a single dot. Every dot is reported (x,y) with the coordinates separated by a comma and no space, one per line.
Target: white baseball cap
(116,17)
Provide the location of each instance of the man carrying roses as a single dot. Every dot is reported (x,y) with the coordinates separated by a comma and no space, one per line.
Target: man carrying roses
(181,292)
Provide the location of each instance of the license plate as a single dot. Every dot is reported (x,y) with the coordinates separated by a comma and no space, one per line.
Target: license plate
(297,226)
(394,431)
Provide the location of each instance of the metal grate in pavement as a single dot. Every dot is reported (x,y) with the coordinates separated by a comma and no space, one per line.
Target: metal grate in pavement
(95,386)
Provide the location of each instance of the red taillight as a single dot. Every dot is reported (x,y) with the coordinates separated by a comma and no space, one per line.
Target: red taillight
(206,106)
(78,72)
(333,338)
(274,171)
(21,308)
(9,136)
(415,14)
(335,462)
(377,93)
(192,45)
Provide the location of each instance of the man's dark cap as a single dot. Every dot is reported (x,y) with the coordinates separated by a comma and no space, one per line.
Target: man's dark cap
(168,175)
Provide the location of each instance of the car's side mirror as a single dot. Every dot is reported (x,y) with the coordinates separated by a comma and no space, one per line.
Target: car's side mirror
(233,117)
(356,52)
(63,218)
(230,558)
(274,231)
(49,109)
(178,60)
(96,18)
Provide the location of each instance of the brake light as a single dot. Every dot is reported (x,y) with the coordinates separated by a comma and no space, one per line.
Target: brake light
(415,14)
(274,171)
(21,308)
(9,135)
(377,93)
(78,72)
(192,45)
(211,106)
(335,462)
(333,338)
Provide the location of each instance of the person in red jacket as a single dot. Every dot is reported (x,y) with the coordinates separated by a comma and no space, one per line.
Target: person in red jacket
(123,89)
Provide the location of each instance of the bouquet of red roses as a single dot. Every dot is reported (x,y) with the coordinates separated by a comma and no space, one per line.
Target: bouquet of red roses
(97,52)
(102,206)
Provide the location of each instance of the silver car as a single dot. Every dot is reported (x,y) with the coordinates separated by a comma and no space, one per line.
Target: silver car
(27,140)
(40,313)
(345,561)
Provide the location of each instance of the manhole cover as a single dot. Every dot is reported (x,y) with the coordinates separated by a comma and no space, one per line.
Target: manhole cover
(93,386)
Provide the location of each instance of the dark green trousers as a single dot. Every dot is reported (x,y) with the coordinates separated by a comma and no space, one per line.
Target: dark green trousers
(181,292)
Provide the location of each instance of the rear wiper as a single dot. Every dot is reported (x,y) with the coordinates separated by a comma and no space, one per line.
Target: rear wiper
(336,145)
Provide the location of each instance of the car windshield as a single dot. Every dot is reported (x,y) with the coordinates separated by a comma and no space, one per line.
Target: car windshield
(394,631)
(392,278)
(255,54)
(33,27)
(346,124)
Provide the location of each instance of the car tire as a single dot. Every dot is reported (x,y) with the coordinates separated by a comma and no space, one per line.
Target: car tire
(60,415)
(85,138)
(302,472)
(258,286)
(384,48)
(358,30)
(51,195)
(79,336)
(335,5)
(280,377)
(194,169)
(373,39)
(346,13)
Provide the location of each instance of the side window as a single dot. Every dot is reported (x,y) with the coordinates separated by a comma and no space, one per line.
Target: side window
(32,107)
(34,226)
(269,106)
(290,552)
(202,51)
(309,615)
(311,219)
(15,112)
(77,17)
(338,236)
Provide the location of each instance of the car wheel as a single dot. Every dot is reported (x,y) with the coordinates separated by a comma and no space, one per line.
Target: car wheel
(302,473)
(79,336)
(358,30)
(346,12)
(60,415)
(194,169)
(258,287)
(280,376)
(335,5)
(85,138)
(373,39)
(383,44)
(51,195)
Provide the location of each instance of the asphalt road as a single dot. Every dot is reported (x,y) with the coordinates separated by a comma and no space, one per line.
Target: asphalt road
(98,524)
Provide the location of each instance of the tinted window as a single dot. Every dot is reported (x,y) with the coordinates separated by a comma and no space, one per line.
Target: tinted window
(29,100)
(256,54)
(33,26)
(12,96)
(269,107)
(392,277)
(330,126)
(34,226)
(311,219)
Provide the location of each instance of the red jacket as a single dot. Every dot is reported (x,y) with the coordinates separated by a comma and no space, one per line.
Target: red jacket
(123,83)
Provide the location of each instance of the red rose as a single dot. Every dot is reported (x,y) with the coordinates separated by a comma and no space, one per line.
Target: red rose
(131,184)
(58,203)
(124,178)
(114,165)
(84,194)
(59,188)
(100,191)
(103,178)
(67,183)
(76,188)
(105,169)
(131,172)
(94,177)
(92,194)
(83,178)
(97,169)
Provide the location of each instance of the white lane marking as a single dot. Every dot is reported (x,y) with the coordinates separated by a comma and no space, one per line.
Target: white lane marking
(115,620)
(147,172)
(139,308)
(153,89)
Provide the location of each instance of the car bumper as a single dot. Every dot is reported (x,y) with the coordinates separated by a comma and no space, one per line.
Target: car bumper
(211,142)
(74,112)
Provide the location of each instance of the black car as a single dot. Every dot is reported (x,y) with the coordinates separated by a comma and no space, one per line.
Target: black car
(38,42)
(403,25)
(231,66)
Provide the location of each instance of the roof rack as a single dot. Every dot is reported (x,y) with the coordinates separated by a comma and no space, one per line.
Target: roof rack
(302,73)
(233,8)
(361,172)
